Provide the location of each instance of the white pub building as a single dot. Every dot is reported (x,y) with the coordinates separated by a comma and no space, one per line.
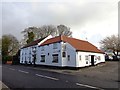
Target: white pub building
(61,51)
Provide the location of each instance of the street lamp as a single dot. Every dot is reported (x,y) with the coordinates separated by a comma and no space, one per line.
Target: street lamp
(34,55)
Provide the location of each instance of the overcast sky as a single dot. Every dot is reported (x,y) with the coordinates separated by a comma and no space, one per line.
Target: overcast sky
(91,19)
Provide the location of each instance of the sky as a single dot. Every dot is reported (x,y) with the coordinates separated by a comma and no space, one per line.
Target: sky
(90,20)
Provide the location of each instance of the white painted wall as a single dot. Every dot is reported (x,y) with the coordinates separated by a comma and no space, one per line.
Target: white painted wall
(69,51)
(82,62)
(25,53)
(62,61)
(48,49)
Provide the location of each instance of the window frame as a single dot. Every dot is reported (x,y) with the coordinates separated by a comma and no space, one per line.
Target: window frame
(99,58)
(86,57)
(55,45)
(68,57)
(80,57)
(55,56)
(42,60)
(63,54)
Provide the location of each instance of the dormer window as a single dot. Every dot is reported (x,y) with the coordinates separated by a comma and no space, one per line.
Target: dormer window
(55,46)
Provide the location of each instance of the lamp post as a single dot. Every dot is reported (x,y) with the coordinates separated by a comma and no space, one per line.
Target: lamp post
(34,55)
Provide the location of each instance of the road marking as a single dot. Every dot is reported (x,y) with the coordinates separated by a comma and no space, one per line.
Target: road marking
(11,69)
(23,71)
(46,77)
(36,68)
(89,86)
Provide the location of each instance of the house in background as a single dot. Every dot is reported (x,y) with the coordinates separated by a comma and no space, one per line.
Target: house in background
(65,51)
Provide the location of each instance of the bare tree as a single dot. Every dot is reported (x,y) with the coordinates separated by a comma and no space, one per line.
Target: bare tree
(111,43)
(39,32)
(44,31)
(64,30)
(47,30)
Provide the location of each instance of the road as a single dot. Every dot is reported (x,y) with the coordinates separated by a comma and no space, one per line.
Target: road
(19,76)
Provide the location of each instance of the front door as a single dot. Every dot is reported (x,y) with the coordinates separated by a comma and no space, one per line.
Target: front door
(92,60)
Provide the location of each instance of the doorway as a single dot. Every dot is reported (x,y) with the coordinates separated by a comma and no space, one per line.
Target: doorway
(92,60)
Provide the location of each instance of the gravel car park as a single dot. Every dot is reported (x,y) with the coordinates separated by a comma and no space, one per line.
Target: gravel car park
(106,71)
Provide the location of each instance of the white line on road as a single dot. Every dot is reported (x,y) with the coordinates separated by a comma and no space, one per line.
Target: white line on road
(46,77)
(23,71)
(89,86)
(11,69)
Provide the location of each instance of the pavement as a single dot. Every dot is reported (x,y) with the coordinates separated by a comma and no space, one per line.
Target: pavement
(3,86)
(97,77)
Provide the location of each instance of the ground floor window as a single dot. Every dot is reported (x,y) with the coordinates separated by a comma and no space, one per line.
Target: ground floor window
(64,54)
(79,57)
(22,58)
(25,58)
(96,57)
(86,62)
(55,58)
(68,57)
(42,58)
(99,58)
(86,57)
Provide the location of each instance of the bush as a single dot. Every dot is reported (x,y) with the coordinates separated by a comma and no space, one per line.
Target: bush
(6,58)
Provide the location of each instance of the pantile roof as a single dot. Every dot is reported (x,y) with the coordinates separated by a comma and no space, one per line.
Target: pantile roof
(79,45)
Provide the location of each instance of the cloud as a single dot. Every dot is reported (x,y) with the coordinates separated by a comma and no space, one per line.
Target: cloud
(71,14)
(81,16)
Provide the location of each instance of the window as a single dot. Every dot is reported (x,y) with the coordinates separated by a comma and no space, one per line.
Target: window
(25,58)
(99,58)
(68,57)
(42,58)
(22,58)
(86,62)
(42,48)
(96,57)
(29,57)
(64,54)
(55,46)
(55,58)
(29,52)
(86,57)
(79,57)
